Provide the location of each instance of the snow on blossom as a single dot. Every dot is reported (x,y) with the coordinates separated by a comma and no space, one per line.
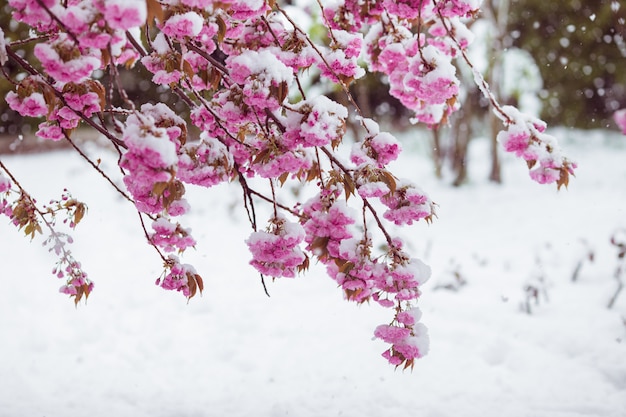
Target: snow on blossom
(276,252)
(463,36)
(392,334)
(183,25)
(341,60)
(458,8)
(206,163)
(409,317)
(181,277)
(123,14)
(262,75)
(525,136)
(163,62)
(275,162)
(77,17)
(247,9)
(150,161)
(33,105)
(316,121)
(380,149)
(170,236)
(431,79)
(33,13)
(405,9)
(407,204)
(373,189)
(620,119)
(66,62)
(412,347)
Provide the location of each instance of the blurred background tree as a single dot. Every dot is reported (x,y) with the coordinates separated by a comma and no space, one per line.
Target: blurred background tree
(580,49)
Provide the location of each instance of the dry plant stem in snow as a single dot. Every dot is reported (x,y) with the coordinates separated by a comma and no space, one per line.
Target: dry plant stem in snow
(240,66)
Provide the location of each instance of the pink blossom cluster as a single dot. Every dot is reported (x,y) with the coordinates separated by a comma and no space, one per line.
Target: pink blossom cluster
(276,252)
(422,77)
(164,62)
(314,122)
(379,149)
(77,281)
(29,99)
(407,204)
(180,277)
(259,74)
(525,136)
(66,62)
(340,63)
(150,161)
(392,281)
(206,163)
(171,237)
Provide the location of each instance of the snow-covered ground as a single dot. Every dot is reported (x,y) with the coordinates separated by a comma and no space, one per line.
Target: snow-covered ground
(136,350)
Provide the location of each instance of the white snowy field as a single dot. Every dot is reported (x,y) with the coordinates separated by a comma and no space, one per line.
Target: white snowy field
(136,350)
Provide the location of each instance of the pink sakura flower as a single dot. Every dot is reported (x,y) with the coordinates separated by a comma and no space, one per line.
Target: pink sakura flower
(88,103)
(33,105)
(620,119)
(341,61)
(247,9)
(406,350)
(159,62)
(328,223)
(463,37)
(262,77)
(68,289)
(407,204)
(203,119)
(380,149)
(515,139)
(207,163)
(201,4)
(392,334)
(150,159)
(65,62)
(458,8)
(123,14)
(171,237)
(184,25)
(405,9)
(181,277)
(276,252)
(431,77)
(373,189)
(66,117)
(526,137)
(409,317)
(50,130)
(315,122)
(283,161)
(33,14)
(544,175)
